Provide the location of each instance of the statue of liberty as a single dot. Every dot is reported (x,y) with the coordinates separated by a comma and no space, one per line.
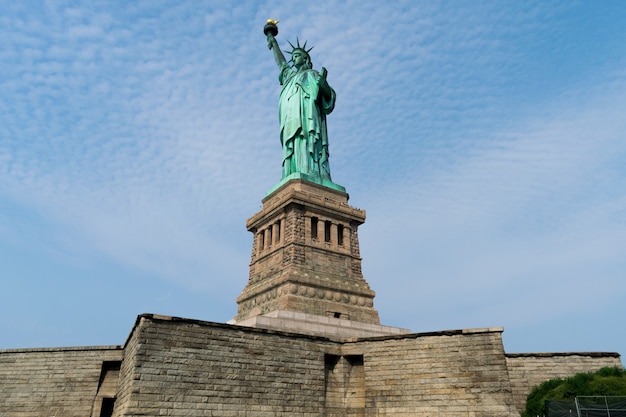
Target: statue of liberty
(305,100)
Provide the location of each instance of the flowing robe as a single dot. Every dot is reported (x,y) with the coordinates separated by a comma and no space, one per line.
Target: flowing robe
(302,113)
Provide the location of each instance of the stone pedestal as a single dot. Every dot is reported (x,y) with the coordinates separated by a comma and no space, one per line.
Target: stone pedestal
(305,256)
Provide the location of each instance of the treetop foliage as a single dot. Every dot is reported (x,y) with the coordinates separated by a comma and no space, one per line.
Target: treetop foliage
(610,381)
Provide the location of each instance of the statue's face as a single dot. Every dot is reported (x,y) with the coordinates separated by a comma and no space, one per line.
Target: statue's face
(298,58)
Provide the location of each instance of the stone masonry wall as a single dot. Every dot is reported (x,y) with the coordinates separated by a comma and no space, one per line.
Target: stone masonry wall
(179,367)
(52,381)
(456,373)
(526,370)
(129,372)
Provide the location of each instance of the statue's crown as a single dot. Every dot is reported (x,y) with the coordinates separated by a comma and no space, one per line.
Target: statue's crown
(299,47)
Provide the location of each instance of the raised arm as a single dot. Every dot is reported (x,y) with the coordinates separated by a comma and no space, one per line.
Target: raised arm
(273,45)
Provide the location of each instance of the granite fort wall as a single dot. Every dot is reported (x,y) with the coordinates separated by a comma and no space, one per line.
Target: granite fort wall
(53,381)
(440,374)
(179,367)
(526,370)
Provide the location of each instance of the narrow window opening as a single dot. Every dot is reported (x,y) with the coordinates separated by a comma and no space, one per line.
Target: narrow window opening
(262,239)
(107,407)
(337,314)
(340,234)
(278,231)
(314,221)
(269,236)
(327,231)
(107,386)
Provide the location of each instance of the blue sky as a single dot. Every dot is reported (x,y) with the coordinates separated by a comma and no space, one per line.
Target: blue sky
(486,141)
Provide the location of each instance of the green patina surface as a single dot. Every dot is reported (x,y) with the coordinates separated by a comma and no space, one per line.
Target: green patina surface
(305,100)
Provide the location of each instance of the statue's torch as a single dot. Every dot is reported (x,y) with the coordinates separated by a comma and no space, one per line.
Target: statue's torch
(270,27)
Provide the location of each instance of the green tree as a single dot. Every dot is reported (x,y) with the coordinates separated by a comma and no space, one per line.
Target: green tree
(606,381)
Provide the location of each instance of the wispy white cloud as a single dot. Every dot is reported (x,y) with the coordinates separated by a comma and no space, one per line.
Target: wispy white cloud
(486,152)
(535,220)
